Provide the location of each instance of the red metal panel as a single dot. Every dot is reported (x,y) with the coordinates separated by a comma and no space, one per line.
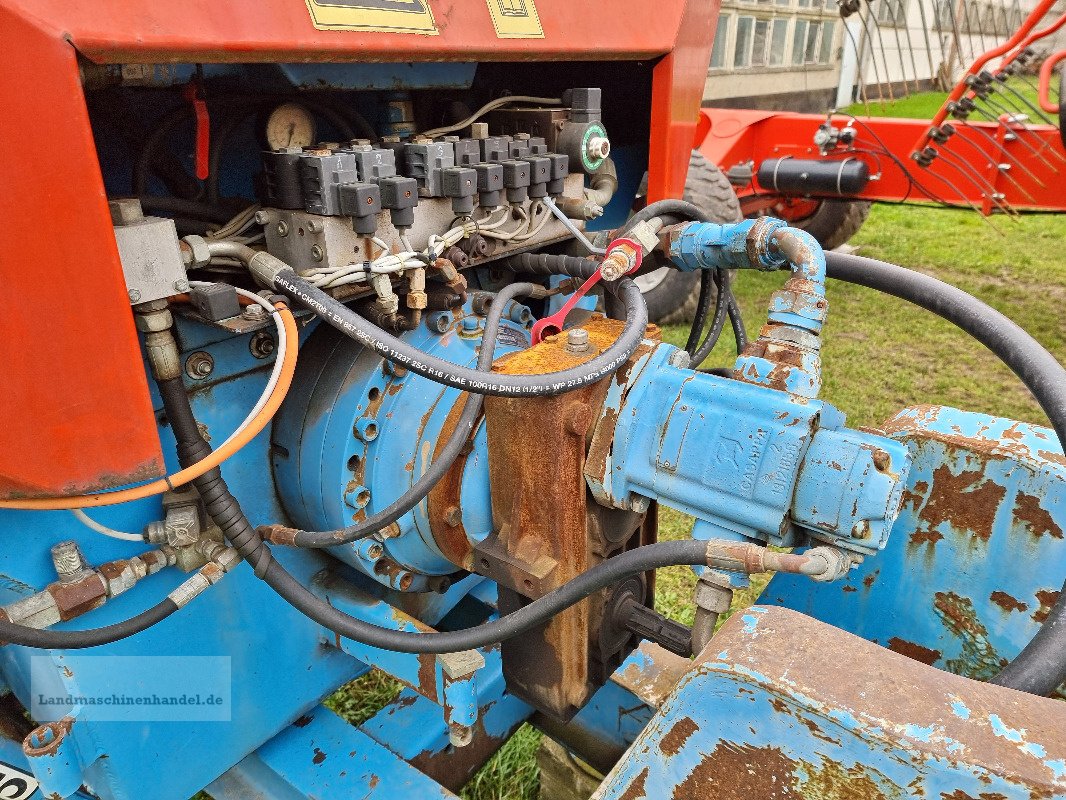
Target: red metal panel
(75,413)
(738,136)
(677,91)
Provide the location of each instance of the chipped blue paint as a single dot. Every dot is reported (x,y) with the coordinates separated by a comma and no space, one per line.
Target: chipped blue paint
(959,709)
(935,569)
(919,732)
(750,622)
(1003,731)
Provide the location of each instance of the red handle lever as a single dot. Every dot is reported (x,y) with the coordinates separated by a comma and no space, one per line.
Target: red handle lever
(554,323)
(203,129)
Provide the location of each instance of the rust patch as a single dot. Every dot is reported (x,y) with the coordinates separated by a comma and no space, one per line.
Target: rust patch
(1037,520)
(918,652)
(868,581)
(54,732)
(1006,602)
(74,599)
(303,721)
(967,501)
(740,772)
(319,757)
(926,537)
(636,788)
(676,737)
(427,676)
(1047,598)
(848,588)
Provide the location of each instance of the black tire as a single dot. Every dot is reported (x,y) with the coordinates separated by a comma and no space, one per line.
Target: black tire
(672,295)
(835,221)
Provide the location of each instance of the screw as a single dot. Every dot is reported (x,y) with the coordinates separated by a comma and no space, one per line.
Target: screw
(283,229)
(316,252)
(254,313)
(68,560)
(577,340)
(469,324)
(134,295)
(313,227)
(262,345)
(261,217)
(199,365)
(181,285)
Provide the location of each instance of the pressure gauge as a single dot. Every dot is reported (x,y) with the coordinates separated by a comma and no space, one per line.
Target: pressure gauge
(290,125)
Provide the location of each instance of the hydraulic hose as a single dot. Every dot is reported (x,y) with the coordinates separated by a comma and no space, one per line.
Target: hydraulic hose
(1041,665)
(334,313)
(225,511)
(25,636)
(431,477)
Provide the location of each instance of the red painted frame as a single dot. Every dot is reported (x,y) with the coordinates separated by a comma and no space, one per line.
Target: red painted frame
(740,136)
(75,413)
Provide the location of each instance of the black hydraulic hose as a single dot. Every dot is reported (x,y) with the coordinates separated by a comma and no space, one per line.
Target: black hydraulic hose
(1041,665)
(225,511)
(737,321)
(703,305)
(690,552)
(433,474)
(12,633)
(437,369)
(721,308)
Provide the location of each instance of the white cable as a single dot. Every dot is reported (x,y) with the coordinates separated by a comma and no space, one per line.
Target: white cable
(492,105)
(275,374)
(92,524)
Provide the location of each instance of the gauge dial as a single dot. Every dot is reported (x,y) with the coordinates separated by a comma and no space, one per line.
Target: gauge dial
(290,125)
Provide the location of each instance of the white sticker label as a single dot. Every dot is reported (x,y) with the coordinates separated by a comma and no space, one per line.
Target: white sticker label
(16,784)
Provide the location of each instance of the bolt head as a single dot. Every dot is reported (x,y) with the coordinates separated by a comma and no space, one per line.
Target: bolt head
(134,295)
(261,218)
(181,285)
(316,253)
(282,229)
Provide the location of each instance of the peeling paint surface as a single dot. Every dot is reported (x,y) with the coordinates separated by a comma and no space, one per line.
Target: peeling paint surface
(793,708)
(975,560)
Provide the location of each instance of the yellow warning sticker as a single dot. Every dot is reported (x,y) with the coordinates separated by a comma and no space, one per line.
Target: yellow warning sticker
(383,16)
(515,19)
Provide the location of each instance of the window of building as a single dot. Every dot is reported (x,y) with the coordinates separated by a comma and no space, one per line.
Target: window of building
(760,41)
(825,52)
(799,37)
(719,50)
(778,41)
(742,48)
(810,50)
(892,12)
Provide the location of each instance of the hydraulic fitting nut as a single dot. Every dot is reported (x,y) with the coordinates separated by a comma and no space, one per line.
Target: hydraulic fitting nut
(194,251)
(621,260)
(69,562)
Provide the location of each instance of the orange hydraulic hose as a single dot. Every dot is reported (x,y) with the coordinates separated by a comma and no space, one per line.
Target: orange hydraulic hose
(186,475)
(961,88)
(1044,92)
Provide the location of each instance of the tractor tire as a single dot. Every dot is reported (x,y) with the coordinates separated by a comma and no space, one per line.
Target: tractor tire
(672,295)
(835,221)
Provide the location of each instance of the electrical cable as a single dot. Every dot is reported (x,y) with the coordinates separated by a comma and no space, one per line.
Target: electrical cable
(1041,665)
(492,105)
(92,524)
(249,429)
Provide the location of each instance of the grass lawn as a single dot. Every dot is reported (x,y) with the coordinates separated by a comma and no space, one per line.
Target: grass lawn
(879,355)
(923,105)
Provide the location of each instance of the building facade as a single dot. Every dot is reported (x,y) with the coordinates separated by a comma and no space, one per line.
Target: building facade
(801,55)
